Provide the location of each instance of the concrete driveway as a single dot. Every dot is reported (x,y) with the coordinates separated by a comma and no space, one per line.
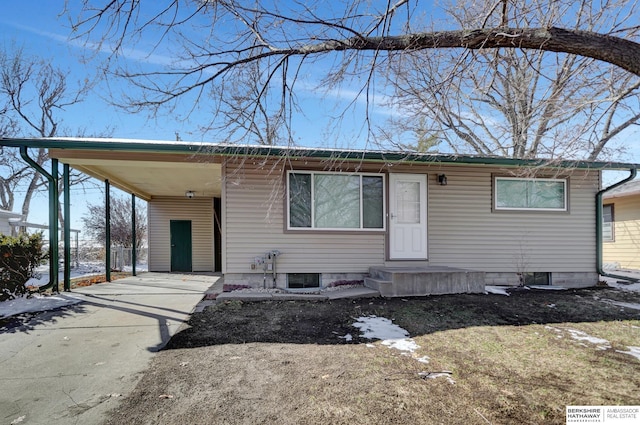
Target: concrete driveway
(72,365)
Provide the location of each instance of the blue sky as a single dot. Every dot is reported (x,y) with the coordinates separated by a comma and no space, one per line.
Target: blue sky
(36,25)
(38,28)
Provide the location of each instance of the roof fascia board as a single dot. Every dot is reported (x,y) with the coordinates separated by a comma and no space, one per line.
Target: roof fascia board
(128,145)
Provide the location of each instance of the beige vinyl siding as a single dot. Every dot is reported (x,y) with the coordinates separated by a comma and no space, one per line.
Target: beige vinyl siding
(463,231)
(254,224)
(625,249)
(160,213)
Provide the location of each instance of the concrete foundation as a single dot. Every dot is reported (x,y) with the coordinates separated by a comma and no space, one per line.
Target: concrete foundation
(564,279)
(420,281)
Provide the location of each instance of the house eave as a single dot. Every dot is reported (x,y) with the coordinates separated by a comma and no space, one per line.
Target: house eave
(227,150)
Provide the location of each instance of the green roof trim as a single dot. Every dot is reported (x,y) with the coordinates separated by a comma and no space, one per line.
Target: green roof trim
(204,148)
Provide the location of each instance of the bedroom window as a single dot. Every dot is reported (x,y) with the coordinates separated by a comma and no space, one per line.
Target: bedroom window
(607,223)
(530,194)
(335,201)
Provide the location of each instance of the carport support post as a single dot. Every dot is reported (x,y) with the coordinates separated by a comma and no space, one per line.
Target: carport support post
(67,229)
(133,235)
(53,229)
(107,228)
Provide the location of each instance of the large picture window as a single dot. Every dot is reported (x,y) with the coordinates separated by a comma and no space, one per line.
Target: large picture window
(335,201)
(530,194)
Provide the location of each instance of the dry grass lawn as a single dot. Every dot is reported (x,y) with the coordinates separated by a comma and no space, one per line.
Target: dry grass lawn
(513,360)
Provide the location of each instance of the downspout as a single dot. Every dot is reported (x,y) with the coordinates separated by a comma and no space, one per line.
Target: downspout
(134,258)
(107,228)
(53,216)
(599,248)
(67,228)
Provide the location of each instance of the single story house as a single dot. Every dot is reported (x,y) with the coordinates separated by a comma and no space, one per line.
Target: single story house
(302,218)
(621,226)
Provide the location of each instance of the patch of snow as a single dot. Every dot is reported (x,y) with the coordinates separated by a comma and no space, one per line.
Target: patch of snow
(393,336)
(602,344)
(423,359)
(625,285)
(406,344)
(632,306)
(37,302)
(374,327)
(547,287)
(434,375)
(633,351)
(347,337)
(82,270)
(497,290)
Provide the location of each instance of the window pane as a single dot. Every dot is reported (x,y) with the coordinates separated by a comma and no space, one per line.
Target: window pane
(337,201)
(546,194)
(511,193)
(408,202)
(303,280)
(299,200)
(530,194)
(372,202)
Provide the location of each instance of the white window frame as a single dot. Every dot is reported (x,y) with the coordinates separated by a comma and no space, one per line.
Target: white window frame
(499,208)
(337,229)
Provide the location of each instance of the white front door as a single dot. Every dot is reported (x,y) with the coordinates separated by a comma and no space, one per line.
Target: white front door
(407,216)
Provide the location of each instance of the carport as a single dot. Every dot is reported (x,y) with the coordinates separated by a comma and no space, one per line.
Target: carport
(148,170)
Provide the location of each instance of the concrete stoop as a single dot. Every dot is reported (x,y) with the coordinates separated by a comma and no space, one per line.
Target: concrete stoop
(420,281)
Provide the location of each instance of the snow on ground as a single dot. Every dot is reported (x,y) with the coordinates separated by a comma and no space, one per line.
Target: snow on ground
(393,336)
(600,343)
(633,351)
(632,306)
(546,287)
(497,290)
(82,270)
(37,303)
(620,283)
(633,287)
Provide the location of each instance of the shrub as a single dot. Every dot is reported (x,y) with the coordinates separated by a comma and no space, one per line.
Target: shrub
(19,256)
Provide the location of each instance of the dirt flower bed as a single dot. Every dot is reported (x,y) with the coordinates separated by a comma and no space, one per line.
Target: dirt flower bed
(459,359)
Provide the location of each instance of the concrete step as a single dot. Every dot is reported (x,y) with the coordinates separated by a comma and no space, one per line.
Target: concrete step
(384,287)
(420,281)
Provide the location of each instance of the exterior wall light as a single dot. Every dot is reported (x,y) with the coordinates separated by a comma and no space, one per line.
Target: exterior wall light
(442,179)
(190,194)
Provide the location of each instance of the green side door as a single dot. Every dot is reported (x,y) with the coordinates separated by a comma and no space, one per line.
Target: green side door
(180,245)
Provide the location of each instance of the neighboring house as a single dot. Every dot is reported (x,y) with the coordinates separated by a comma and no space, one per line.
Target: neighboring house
(305,218)
(621,226)
(6,217)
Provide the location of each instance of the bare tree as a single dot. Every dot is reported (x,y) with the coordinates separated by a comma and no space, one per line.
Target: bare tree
(517,103)
(215,45)
(33,93)
(121,226)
